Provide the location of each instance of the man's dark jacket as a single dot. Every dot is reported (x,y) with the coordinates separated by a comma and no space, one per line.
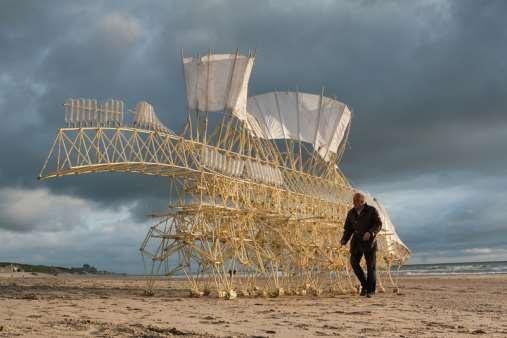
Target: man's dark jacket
(357,225)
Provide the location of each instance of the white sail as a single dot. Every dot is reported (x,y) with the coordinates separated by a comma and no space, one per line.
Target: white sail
(390,242)
(218,82)
(316,119)
(145,117)
(393,244)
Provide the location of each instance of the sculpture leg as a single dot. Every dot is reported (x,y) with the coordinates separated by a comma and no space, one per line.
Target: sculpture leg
(371,263)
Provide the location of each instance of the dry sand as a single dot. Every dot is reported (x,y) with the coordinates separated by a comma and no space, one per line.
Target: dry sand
(69,306)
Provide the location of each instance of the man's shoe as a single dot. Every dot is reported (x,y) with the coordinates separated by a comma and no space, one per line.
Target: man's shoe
(363,292)
(370,294)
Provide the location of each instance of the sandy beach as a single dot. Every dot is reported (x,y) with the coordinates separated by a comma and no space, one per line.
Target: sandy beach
(70,306)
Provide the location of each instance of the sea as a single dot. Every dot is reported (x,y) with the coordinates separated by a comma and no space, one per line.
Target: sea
(470,268)
(435,269)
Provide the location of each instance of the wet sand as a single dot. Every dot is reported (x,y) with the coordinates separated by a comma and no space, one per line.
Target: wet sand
(71,306)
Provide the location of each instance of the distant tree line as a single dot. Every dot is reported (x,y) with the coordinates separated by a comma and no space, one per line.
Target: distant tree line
(86,269)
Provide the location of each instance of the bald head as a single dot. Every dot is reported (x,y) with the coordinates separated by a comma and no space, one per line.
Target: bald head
(358,200)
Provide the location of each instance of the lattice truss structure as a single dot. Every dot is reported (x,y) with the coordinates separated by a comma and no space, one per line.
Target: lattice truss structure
(258,201)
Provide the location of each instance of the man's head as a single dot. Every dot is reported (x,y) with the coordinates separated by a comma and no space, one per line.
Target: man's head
(358,200)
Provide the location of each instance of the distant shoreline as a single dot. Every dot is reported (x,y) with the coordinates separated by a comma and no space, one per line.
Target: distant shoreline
(463,268)
(456,263)
(86,269)
(408,270)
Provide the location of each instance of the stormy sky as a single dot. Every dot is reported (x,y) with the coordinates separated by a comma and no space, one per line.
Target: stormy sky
(427,82)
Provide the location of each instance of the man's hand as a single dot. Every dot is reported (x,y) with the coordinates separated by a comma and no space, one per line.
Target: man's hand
(342,243)
(366,236)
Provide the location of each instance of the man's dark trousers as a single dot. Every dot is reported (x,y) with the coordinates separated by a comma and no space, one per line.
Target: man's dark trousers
(369,250)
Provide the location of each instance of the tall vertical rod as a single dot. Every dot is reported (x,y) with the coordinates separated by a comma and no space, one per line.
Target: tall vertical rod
(299,130)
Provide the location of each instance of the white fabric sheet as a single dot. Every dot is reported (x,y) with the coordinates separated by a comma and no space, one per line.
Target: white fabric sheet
(145,117)
(393,244)
(218,82)
(225,164)
(264,173)
(315,119)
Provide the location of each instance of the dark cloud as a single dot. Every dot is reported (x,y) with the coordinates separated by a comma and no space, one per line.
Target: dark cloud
(448,214)
(427,82)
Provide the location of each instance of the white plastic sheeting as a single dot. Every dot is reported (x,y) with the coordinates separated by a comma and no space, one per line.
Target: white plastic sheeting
(229,165)
(392,244)
(315,119)
(145,117)
(88,113)
(212,159)
(218,82)
(323,191)
(263,173)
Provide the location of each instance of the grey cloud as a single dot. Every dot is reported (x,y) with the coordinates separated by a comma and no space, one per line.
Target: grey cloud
(448,215)
(27,210)
(106,240)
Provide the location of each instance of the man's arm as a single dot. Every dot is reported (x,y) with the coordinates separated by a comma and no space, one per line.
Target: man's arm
(347,230)
(376,223)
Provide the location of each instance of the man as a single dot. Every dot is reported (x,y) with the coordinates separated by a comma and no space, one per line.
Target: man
(363,224)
